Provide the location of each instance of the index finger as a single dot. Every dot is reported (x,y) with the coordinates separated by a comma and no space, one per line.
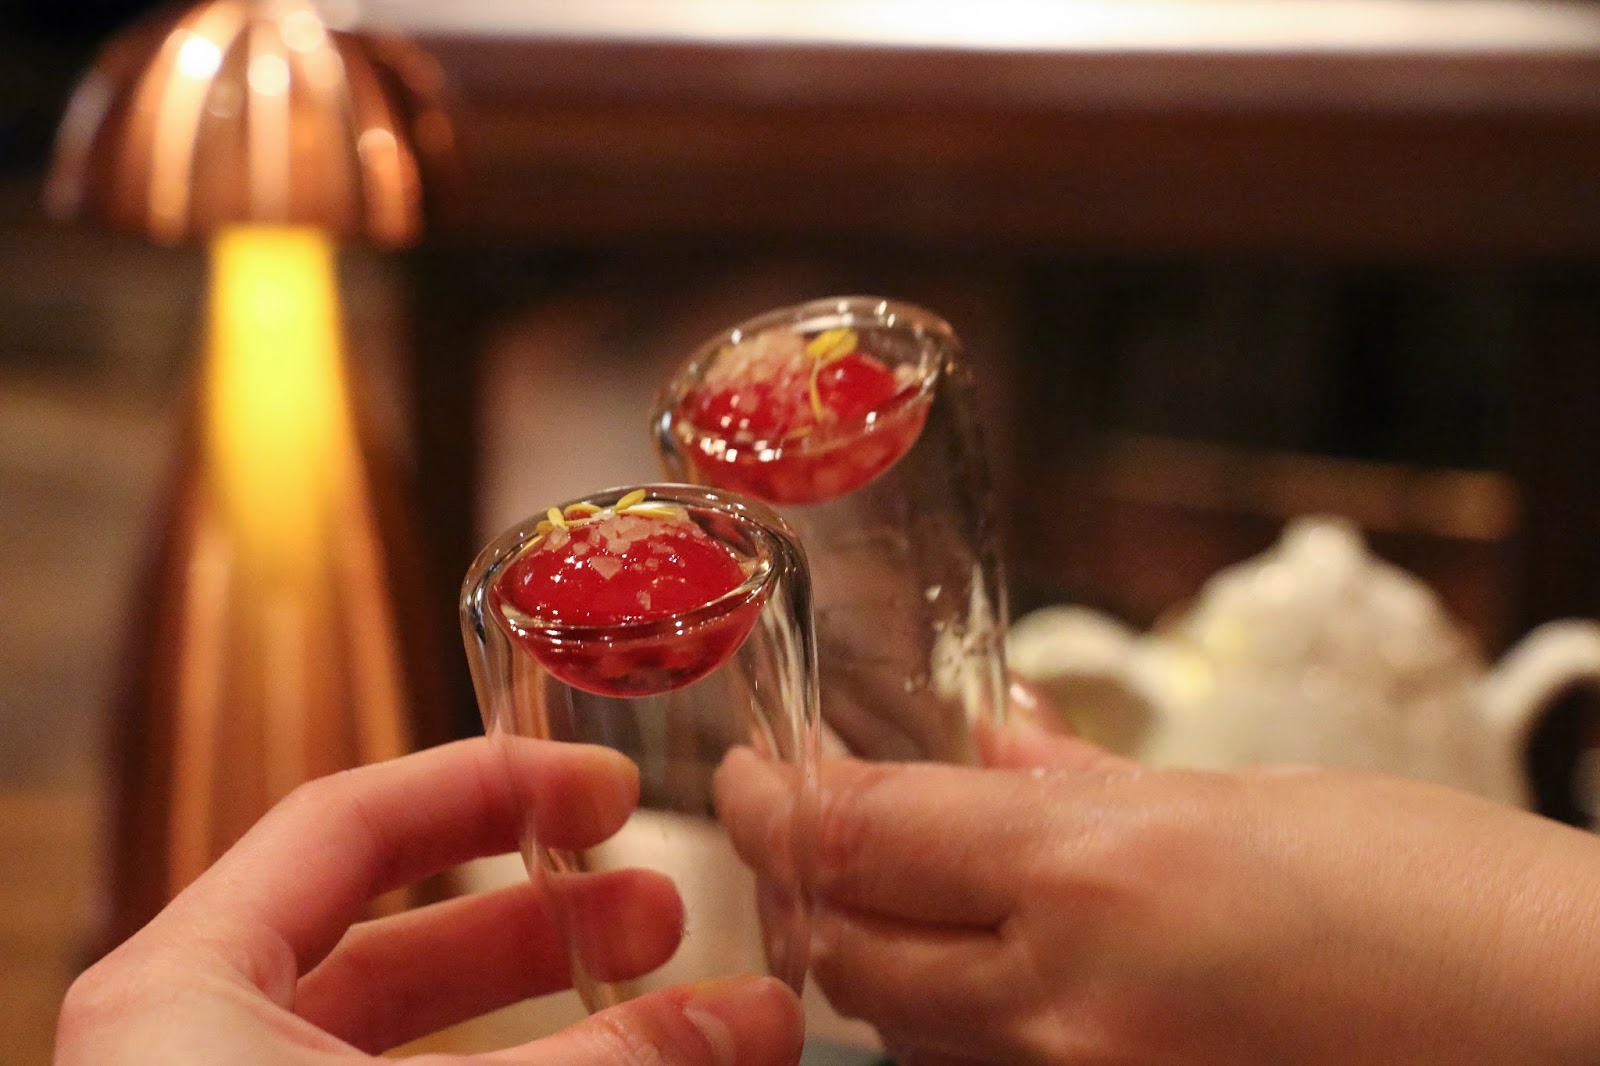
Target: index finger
(913,841)
(279,900)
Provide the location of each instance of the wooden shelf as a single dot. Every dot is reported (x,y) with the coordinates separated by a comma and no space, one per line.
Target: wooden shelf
(1340,127)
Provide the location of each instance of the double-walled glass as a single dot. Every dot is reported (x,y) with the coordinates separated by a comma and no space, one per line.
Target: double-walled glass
(893,505)
(675,694)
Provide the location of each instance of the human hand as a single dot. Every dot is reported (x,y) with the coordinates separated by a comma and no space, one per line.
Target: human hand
(1068,906)
(258,961)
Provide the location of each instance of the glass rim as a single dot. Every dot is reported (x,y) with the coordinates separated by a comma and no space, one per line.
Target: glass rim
(878,311)
(873,312)
(767,525)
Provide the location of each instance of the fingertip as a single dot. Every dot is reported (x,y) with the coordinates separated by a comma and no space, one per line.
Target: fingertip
(754,801)
(747,1020)
(1025,745)
(744,770)
(576,794)
(733,1021)
(644,902)
(621,772)
(740,759)
(745,781)
(1031,721)
(1027,702)
(608,763)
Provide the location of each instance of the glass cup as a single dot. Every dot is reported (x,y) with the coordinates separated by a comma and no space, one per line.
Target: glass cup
(675,694)
(854,417)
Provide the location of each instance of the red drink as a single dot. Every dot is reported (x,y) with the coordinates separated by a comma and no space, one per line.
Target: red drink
(795,419)
(670,624)
(630,600)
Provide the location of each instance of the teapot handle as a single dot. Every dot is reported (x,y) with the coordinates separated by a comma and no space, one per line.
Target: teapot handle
(1549,659)
(1084,662)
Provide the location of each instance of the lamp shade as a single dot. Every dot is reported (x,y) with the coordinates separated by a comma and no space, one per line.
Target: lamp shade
(252,111)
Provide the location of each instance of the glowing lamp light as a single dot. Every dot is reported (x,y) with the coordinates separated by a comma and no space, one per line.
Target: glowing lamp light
(277,414)
(272,644)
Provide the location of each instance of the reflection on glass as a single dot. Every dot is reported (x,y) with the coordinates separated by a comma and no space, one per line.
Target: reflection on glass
(854,415)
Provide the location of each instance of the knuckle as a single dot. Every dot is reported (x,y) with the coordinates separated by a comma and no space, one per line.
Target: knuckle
(1163,841)
(335,806)
(624,1041)
(372,1023)
(778,844)
(845,827)
(844,992)
(839,970)
(98,1000)
(311,800)
(85,1004)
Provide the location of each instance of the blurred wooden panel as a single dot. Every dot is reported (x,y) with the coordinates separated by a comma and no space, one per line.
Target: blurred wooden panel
(1387,127)
(1151,520)
(48,868)
(583,171)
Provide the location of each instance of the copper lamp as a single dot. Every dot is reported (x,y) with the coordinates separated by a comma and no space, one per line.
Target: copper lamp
(273,641)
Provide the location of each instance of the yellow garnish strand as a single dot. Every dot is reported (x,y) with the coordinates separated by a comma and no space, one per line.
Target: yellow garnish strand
(823,349)
(832,344)
(585,513)
(660,510)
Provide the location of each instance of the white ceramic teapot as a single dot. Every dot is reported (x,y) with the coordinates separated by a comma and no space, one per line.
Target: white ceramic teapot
(1315,652)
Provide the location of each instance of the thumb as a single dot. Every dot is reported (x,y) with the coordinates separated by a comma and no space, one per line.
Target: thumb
(735,1021)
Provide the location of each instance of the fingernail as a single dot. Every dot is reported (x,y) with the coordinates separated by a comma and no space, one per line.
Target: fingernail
(1032,713)
(746,1019)
(723,1046)
(1023,695)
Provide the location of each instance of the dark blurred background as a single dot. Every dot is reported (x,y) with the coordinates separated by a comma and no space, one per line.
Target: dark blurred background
(44,47)
(1191,320)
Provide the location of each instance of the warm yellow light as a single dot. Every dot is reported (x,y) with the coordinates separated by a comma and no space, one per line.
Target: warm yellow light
(269,75)
(198,58)
(276,406)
